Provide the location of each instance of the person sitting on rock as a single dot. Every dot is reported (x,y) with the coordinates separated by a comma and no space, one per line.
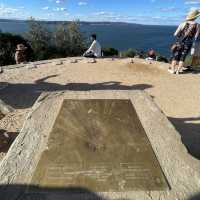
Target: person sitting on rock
(151,55)
(95,49)
(20,55)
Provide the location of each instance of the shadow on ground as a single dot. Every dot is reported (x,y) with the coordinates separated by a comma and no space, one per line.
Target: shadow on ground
(195,197)
(194,70)
(189,129)
(23,95)
(22,192)
(32,192)
(6,140)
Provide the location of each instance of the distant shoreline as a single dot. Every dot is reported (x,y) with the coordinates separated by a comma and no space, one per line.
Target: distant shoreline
(83,22)
(119,35)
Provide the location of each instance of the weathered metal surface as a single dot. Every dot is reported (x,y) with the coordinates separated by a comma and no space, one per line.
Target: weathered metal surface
(100,145)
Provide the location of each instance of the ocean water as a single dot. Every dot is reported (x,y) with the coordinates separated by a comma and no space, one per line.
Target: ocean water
(118,35)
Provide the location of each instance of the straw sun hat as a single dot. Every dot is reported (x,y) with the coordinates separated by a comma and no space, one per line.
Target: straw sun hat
(193,14)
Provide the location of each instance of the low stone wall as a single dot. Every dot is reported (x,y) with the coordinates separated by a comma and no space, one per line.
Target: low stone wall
(82,59)
(59,61)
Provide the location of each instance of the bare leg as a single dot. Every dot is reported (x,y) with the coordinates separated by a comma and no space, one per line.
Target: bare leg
(180,67)
(173,66)
(174,63)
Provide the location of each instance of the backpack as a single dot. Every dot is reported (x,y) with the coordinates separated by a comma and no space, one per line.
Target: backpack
(189,31)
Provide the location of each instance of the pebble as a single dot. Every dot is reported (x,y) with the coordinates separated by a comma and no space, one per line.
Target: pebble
(57,62)
(31,66)
(73,61)
(91,61)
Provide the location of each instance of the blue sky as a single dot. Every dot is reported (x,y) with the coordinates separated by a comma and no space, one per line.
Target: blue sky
(165,12)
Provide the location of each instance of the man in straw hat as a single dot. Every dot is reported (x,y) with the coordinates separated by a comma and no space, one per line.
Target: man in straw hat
(20,55)
(186,33)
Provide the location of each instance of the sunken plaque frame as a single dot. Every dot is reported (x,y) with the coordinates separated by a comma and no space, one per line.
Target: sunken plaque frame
(18,167)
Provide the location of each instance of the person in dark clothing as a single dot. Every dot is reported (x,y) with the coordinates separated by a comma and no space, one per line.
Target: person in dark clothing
(151,55)
(186,33)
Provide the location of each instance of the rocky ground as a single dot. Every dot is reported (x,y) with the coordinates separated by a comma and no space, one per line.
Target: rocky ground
(177,95)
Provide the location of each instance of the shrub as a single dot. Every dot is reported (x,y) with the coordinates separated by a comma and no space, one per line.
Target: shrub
(110,52)
(77,42)
(61,41)
(141,54)
(162,59)
(40,39)
(130,53)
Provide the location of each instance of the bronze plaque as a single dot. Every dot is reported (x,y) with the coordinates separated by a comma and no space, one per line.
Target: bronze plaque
(99,145)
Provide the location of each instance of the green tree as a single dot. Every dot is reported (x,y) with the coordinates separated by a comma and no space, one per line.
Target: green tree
(62,40)
(68,40)
(40,39)
(77,42)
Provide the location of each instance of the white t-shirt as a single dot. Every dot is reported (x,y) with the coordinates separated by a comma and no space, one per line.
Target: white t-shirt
(95,48)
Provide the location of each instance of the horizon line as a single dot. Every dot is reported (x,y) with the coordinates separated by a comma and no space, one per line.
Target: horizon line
(46,20)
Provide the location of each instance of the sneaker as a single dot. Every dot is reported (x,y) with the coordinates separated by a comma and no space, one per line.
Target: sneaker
(179,71)
(171,71)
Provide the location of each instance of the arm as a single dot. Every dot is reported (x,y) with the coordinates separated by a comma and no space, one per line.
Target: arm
(91,47)
(198,32)
(179,29)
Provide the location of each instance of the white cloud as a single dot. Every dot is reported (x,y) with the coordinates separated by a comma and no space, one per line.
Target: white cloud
(4,10)
(59,9)
(192,2)
(82,3)
(46,8)
(58,1)
(7,12)
(63,9)
(168,9)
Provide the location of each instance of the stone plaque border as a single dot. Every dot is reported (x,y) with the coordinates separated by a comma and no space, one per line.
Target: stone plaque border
(17,168)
